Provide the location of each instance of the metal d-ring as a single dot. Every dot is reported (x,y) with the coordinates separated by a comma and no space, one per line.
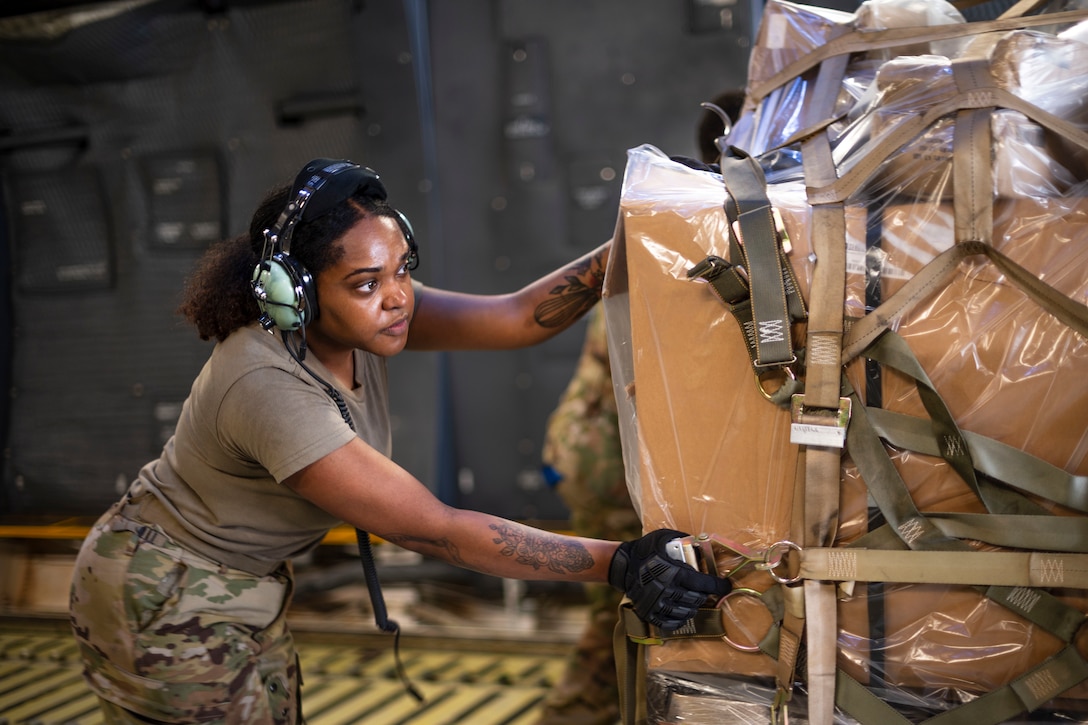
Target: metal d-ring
(790,376)
(744,591)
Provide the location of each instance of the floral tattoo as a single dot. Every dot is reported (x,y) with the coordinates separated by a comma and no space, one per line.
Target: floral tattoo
(532,549)
(570,301)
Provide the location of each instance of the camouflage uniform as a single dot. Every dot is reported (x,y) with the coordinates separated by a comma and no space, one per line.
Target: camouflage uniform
(582,450)
(169,636)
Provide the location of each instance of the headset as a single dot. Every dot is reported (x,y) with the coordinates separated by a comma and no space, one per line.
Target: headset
(285,290)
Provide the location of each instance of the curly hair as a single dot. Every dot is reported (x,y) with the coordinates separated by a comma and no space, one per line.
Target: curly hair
(218,296)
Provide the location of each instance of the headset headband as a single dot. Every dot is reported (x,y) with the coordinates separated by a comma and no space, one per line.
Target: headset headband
(318,188)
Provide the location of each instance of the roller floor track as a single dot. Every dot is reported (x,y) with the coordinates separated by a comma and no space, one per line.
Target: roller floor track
(347,679)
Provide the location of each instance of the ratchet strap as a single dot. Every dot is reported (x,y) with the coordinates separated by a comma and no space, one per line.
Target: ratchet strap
(757,283)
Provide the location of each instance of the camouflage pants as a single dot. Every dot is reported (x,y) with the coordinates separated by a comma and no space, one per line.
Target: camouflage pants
(588,693)
(168,636)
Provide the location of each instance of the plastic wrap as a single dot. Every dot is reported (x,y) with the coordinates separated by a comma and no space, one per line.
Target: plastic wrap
(706,452)
(788,31)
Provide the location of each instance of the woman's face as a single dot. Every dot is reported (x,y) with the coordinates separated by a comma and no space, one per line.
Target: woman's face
(365,299)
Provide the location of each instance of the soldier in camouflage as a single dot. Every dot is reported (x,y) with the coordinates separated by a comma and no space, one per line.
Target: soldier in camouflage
(217,622)
(582,456)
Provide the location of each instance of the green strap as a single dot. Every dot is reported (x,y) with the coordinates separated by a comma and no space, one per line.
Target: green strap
(630,675)
(1025,531)
(887,488)
(1024,694)
(1040,607)
(776,297)
(862,332)
(878,150)
(997,460)
(891,350)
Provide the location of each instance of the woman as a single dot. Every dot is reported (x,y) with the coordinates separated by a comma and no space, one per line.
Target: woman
(180,590)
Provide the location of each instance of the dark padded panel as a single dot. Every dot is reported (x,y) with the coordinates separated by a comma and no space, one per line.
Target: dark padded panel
(61,232)
(150,168)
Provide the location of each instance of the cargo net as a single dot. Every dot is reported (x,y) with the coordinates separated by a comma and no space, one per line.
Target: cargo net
(860,342)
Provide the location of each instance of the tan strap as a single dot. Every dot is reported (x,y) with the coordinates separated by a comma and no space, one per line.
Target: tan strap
(1000,568)
(821,619)
(630,656)
(823,372)
(972,144)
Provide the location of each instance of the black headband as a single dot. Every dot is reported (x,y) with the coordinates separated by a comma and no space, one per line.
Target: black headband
(331,181)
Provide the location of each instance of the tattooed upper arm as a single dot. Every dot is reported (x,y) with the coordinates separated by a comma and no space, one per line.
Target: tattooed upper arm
(567,302)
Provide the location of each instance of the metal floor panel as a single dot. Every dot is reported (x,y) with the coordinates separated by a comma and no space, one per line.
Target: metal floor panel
(348,681)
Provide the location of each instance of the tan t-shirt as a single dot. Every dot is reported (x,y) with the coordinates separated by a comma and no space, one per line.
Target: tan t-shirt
(253,418)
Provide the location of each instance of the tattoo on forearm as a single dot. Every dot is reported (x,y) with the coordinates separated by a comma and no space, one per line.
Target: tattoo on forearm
(541,551)
(570,301)
(448,549)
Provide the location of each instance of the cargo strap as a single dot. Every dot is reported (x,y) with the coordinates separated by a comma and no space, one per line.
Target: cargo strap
(999,461)
(858,41)
(1032,689)
(999,568)
(862,332)
(1026,693)
(985,97)
(1013,520)
(892,351)
(817,506)
(757,283)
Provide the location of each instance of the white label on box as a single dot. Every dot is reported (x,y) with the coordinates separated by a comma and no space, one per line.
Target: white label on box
(828,436)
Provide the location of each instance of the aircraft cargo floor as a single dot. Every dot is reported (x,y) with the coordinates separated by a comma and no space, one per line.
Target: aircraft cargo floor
(347,678)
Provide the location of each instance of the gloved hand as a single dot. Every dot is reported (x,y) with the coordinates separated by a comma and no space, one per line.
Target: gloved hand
(664,592)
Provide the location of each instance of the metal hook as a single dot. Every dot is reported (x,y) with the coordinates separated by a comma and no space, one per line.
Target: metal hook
(767,559)
(727,123)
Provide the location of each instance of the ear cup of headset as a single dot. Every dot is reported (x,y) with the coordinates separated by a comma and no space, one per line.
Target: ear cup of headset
(286,292)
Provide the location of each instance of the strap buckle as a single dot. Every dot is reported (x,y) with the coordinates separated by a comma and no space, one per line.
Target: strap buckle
(824,427)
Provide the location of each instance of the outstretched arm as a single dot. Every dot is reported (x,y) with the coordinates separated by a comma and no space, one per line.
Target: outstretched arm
(446,320)
(367,490)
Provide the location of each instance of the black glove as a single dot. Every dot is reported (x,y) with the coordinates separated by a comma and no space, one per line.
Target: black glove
(665,592)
